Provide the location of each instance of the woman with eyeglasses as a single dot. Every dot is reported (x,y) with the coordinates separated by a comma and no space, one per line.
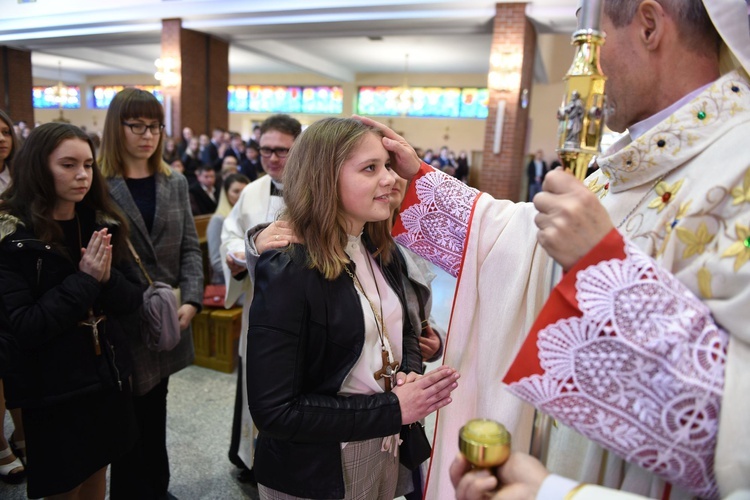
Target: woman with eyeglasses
(162,230)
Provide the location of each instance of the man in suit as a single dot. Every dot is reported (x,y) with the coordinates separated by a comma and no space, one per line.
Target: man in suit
(203,194)
(236,147)
(250,165)
(210,154)
(259,203)
(535,171)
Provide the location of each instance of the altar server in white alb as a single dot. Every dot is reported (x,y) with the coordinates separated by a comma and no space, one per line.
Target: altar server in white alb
(259,203)
(643,347)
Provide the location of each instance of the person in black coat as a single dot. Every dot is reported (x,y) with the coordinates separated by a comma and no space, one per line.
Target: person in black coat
(8,344)
(204,196)
(334,365)
(536,170)
(65,283)
(249,164)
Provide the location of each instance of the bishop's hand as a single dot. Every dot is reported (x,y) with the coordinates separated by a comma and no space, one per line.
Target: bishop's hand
(404,160)
(571,219)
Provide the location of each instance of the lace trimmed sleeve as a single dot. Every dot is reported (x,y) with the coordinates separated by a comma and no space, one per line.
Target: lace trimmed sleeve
(435,217)
(640,370)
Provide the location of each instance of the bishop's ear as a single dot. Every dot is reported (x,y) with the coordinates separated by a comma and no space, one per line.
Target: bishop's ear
(652,20)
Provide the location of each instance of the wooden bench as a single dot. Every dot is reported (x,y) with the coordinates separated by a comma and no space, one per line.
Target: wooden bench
(216,334)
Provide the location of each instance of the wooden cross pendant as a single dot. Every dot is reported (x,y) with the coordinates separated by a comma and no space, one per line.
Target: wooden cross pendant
(388,372)
(93,322)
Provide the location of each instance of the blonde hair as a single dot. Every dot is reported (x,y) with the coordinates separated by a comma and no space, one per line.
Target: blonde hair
(128,104)
(312,202)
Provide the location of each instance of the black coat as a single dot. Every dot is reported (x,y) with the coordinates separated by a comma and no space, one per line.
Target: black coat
(200,202)
(45,298)
(305,335)
(8,345)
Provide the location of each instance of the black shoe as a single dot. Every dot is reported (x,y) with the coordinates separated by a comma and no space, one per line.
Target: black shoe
(247,476)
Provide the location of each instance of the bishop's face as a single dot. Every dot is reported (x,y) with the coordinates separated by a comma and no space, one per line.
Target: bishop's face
(628,78)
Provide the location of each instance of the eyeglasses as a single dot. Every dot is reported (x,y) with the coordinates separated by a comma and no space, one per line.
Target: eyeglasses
(280,152)
(140,128)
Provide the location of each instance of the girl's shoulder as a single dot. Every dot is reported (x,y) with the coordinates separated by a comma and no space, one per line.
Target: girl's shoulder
(292,262)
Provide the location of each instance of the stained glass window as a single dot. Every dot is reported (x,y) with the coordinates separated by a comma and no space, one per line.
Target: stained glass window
(103,94)
(52,98)
(474,102)
(433,102)
(283,99)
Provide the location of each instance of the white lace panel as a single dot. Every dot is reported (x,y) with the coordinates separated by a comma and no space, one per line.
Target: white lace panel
(436,226)
(641,372)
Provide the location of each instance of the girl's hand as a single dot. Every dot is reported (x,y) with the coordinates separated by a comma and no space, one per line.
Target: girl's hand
(96,258)
(425,394)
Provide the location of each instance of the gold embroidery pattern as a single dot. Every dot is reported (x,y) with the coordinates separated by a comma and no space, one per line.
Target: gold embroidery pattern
(704,282)
(666,146)
(695,242)
(599,189)
(741,194)
(664,194)
(740,249)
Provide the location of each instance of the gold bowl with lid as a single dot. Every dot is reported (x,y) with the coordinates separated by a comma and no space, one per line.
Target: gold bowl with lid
(484,443)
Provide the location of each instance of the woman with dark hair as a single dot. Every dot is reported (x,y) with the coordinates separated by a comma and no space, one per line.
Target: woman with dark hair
(64,285)
(155,199)
(170,151)
(8,145)
(12,450)
(333,361)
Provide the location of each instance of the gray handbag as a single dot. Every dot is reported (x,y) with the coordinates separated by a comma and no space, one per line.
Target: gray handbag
(160,326)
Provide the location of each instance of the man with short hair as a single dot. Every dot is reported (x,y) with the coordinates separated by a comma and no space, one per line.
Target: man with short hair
(536,170)
(259,203)
(643,346)
(210,154)
(236,146)
(203,194)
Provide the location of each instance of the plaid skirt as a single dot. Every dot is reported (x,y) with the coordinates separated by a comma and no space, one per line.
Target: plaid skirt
(369,473)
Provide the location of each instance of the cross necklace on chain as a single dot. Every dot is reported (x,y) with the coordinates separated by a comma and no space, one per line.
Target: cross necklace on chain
(93,320)
(389,368)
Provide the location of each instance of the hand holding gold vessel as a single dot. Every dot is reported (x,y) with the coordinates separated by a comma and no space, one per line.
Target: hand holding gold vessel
(484,443)
(486,462)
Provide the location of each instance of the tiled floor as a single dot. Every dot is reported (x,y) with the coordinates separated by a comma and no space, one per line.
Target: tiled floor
(199,420)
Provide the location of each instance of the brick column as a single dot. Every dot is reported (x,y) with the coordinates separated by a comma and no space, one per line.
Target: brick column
(16,84)
(513,51)
(199,100)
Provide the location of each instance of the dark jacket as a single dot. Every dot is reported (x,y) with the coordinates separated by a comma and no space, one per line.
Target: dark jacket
(45,298)
(200,202)
(531,170)
(305,335)
(8,346)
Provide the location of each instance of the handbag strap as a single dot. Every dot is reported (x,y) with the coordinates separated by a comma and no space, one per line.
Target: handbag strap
(138,261)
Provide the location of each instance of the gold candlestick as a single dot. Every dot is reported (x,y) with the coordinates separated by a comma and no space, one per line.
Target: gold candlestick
(484,443)
(581,114)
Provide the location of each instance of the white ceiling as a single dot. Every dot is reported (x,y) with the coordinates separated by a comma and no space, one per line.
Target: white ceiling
(333,38)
